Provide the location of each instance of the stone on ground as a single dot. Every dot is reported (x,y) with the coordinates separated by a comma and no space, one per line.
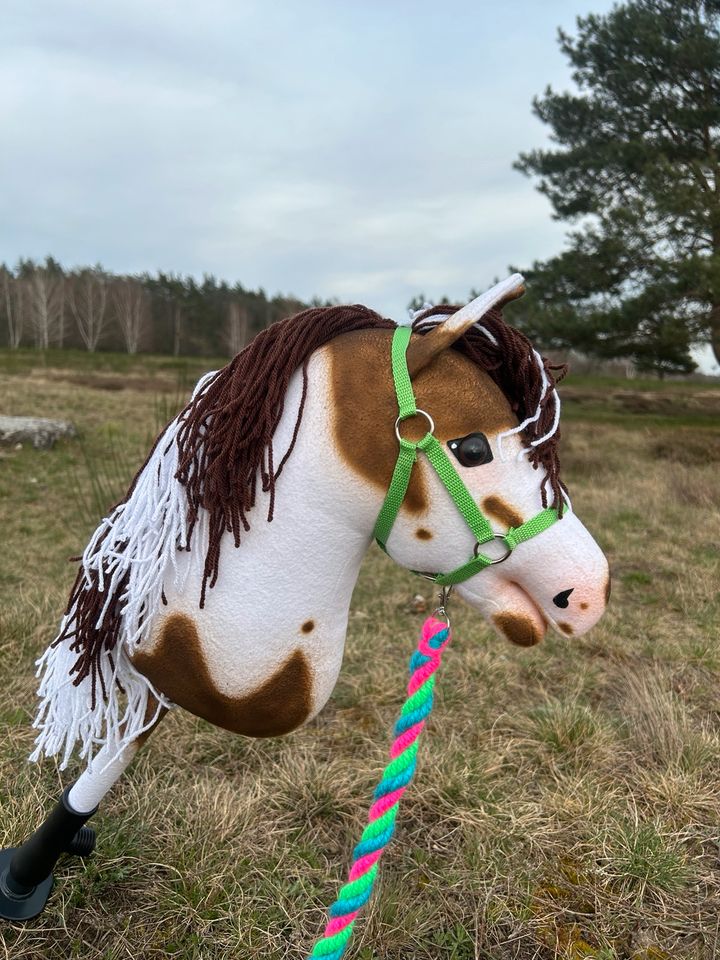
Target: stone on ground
(40,432)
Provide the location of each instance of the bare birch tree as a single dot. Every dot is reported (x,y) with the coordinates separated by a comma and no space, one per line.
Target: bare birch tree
(46,295)
(87,294)
(177,318)
(132,309)
(236,326)
(14,304)
(60,325)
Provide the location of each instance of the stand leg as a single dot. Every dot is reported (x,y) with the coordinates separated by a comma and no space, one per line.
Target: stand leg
(26,871)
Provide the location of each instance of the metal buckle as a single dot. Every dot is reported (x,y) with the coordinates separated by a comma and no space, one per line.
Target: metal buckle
(501,538)
(418,412)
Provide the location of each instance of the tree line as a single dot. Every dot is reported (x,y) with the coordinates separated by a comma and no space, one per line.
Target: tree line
(45,306)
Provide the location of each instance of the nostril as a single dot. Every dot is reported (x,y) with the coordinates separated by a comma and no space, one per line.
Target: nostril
(562,599)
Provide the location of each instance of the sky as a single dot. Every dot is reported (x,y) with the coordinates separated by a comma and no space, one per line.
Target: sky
(357,150)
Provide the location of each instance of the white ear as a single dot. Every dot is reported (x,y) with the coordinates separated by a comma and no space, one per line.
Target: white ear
(503,292)
(422,349)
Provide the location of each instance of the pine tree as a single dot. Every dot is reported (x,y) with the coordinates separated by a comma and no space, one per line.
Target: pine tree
(636,167)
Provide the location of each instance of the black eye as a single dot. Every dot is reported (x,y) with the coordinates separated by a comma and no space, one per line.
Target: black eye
(472,450)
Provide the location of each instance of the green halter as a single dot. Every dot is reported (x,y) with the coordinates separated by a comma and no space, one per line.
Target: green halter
(440,462)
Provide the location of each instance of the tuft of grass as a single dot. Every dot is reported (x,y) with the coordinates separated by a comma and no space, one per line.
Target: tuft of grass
(642,859)
(565,727)
(101,479)
(660,728)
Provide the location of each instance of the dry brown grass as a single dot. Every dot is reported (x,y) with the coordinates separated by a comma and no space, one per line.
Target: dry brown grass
(567,801)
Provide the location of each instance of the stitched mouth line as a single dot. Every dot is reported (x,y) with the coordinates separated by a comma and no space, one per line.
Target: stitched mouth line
(544,619)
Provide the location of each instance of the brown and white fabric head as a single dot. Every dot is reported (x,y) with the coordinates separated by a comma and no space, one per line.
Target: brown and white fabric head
(188,596)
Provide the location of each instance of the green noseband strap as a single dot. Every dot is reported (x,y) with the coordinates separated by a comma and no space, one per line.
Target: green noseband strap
(449,476)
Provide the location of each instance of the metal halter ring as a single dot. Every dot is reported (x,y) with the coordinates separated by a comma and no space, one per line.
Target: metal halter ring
(501,538)
(418,412)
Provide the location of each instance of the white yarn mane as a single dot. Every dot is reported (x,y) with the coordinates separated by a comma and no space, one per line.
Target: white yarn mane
(138,540)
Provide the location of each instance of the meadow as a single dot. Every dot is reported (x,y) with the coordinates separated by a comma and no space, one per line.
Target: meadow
(567,799)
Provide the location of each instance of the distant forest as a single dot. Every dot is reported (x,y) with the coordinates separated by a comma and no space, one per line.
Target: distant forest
(43,306)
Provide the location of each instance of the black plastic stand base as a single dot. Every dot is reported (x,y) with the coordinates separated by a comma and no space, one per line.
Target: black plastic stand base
(16,905)
(26,871)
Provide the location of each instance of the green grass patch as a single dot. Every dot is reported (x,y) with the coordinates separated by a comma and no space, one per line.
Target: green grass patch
(23,361)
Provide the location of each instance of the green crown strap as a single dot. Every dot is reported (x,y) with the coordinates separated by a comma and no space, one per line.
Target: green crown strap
(401,376)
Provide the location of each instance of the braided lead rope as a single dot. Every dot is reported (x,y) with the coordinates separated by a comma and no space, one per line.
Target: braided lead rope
(395,780)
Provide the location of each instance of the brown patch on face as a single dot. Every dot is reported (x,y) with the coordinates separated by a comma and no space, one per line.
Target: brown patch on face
(607,590)
(177,668)
(422,534)
(459,396)
(518,629)
(308,626)
(501,511)
(566,628)
(584,605)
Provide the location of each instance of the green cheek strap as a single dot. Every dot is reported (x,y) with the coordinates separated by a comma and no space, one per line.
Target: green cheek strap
(449,476)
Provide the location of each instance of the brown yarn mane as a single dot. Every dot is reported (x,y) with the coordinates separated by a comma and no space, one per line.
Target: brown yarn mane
(513,367)
(226,438)
(225,443)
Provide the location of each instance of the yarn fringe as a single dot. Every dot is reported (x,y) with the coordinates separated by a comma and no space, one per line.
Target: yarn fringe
(128,559)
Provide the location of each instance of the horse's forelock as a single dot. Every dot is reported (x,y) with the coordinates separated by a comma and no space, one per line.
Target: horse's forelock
(527,380)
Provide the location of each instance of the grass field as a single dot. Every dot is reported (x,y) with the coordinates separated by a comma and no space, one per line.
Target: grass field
(567,800)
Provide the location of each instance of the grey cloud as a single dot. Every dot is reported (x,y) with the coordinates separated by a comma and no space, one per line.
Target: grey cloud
(359,151)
